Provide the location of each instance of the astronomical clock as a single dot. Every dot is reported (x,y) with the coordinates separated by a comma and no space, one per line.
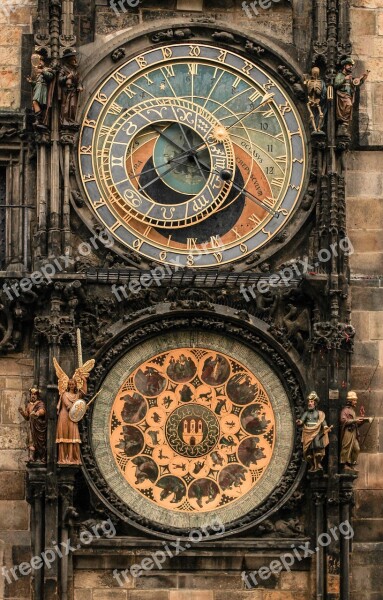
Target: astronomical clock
(192,155)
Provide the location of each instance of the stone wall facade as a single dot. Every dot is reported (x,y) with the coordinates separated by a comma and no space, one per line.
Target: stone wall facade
(16,377)
(365,225)
(216,577)
(15,21)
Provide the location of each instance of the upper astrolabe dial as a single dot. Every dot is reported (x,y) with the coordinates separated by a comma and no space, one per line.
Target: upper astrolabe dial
(192,155)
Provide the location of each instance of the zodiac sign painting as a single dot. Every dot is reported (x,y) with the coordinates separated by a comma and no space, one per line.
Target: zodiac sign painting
(192,429)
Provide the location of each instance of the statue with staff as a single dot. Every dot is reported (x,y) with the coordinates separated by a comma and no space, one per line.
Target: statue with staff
(71,408)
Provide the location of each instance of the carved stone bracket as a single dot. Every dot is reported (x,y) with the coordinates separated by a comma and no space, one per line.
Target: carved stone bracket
(333,336)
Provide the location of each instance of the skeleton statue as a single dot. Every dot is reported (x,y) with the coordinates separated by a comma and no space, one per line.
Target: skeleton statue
(317,91)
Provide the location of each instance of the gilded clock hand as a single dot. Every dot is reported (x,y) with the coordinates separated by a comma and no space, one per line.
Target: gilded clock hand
(267,98)
(226,175)
(192,153)
(166,137)
(141,189)
(155,168)
(267,208)
(197,148)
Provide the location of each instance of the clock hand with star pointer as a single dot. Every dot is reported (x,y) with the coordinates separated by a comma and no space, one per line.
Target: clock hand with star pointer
(198,147)
(226,175)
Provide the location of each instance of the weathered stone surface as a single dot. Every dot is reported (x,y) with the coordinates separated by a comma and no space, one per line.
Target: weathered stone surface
(375,471)
(109,595)
(161,582)
(376,325)
(368,263)
(361,321)
(146,595)
(189,4)
(362,377)
(369,437)
(191,595)
(366,212)
(368,504)
(366,241)
(102,579)
(295,581)
(361,481)
(14,515)
(210,582)
(366,298)
(12,437)
(12,460)
(366,20)
(361,161)
(82,594)
(283,595)
(366,354)
(9,413)
(12,485)
(243,595)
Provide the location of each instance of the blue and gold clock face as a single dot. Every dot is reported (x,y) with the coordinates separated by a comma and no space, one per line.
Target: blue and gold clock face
(192,155)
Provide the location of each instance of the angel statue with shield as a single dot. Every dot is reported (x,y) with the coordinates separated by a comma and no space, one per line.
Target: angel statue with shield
(70,409)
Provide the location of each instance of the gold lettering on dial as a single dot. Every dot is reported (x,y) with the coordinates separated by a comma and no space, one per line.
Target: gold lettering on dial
(167,52)
(191,243)
(115,109)
(193,69)
(194,51)
(102,98)
(254,219)
(277,181)
(254,97)
(218,256)
(169,70)
(128,90)
(247,67)
(141,61)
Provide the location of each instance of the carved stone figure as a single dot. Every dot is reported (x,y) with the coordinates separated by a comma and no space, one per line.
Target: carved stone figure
(69,87)
(67,433)
(317,92)
(345,87)
(35,414)
(349,432)
(41,78)
(314,433)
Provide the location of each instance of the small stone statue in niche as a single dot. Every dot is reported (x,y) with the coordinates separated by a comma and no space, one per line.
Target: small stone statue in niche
(317,97)
(70,87)
(41,79)
(71,391)
(314,434)
(35,414)
(345,86)
(349,432)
